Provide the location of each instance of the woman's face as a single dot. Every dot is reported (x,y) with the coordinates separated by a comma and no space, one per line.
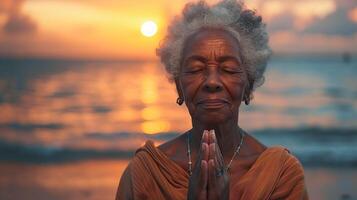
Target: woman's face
(212,78)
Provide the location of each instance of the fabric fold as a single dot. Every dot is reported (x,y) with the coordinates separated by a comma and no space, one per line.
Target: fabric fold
(276,174)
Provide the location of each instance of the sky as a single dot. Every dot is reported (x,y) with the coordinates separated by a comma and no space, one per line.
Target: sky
(95,29)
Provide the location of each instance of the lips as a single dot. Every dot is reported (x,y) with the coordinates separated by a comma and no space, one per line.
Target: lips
(212,103)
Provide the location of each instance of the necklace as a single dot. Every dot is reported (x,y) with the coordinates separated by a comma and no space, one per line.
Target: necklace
(236,152)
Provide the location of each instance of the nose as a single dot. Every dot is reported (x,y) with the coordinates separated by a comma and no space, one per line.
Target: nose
(213,82)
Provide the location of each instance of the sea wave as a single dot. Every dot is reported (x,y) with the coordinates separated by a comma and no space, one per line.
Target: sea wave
(313,146)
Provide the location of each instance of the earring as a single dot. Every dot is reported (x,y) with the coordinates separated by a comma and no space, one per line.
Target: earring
(179,101)
(246,100)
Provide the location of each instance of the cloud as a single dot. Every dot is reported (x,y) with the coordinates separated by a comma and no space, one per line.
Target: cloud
(293,42)
(333,19)
(19,24)
(284,21)
(337,23)
(348,4)
(17,21)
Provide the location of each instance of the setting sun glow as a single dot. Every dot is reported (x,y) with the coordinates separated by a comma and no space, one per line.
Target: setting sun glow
(149,28)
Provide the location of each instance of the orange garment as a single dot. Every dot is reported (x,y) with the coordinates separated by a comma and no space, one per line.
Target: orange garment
(276,174)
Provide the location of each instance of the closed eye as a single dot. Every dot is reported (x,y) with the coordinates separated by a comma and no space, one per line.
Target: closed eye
(194,66)
(194,71)
(231,71)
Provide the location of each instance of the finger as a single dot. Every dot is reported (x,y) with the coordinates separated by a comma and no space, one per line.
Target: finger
(205,136)
(211,178)
(211,145)
(201,155)
(204,175)
(203,180)
(212,151)
(204,146)
(205,152)
(213,155)
(213,136)
(211,139)
(218,154)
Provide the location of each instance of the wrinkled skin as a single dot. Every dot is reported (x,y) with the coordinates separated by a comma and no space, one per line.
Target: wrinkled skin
(204,184)
(212,82)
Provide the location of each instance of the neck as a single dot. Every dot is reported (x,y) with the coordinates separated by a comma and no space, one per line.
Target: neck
(227,135)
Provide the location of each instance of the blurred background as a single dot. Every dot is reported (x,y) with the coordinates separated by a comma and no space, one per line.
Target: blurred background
(81,89)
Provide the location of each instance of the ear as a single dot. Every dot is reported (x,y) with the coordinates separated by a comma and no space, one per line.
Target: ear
(178,88)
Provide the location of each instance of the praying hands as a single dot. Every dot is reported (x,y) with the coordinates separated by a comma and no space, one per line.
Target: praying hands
(209,180)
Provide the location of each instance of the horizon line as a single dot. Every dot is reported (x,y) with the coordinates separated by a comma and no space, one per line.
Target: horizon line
(130,59)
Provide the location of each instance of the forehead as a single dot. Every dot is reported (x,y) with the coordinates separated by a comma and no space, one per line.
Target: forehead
(208,40)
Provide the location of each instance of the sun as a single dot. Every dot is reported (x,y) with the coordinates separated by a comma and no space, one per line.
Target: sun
(149,28)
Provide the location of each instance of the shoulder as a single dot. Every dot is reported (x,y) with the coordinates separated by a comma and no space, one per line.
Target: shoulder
(137,169)
(292,168)
(291,179)
(288,160)
(284,157)
(281,164)
(124,190)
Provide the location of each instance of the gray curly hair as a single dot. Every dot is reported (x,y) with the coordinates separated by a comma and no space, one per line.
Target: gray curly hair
(228,15)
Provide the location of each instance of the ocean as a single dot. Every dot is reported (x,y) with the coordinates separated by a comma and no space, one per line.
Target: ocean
(68,128)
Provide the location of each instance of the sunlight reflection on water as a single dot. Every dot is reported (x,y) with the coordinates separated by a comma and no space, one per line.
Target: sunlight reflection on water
(105,106)
(60,103)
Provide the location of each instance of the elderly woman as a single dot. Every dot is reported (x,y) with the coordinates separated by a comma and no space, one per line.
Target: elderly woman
(216,55)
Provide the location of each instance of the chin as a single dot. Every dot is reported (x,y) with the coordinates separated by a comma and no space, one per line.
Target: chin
(213,119)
